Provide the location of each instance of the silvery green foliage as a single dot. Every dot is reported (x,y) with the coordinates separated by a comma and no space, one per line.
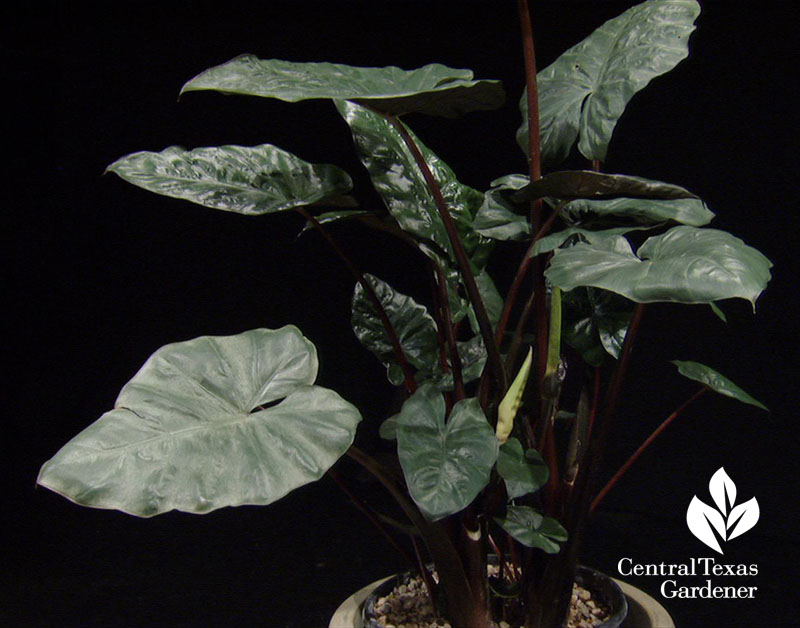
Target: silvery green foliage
(208,423)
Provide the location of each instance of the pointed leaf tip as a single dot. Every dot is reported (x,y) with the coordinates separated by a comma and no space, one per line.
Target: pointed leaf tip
(715,381)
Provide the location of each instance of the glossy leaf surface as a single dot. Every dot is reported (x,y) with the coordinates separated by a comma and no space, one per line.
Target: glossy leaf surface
(687,211)
(683,265)
(604,237)
(472,354)
(523,471)
(584,92)
(716,382)
(533,529)
(415,328)
(445,465)
(190,431)
(398,179)
(246,180)
(595,323)
(587,184)
(433,89)
(499,217)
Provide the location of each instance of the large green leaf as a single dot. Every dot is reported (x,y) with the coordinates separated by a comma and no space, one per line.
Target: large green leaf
(533,529)
(716,382)
(587,184)
(415,328)
(683,265)
(498,217)
(445,465)
(584,92)
(554,240)
(432,89)
(595,323)
(247,180)
(397,178)
(191,431)
(523,471)
(687,211)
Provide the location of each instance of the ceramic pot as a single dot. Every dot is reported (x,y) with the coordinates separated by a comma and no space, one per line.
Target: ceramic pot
(643,611)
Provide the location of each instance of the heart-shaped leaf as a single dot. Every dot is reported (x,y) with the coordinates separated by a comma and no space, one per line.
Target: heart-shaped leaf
(246,180)
(445,464)
(584,92)
(415,328)
(684,265)
(587,184)
(523,471)
(433,89)
(716,382)
(533,529)
(687,211)
(191,432)
(398,179)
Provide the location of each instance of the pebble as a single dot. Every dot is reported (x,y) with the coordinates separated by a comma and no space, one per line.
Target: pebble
(408,606)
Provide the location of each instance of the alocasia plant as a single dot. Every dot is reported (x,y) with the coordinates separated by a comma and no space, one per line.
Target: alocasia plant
(485,465)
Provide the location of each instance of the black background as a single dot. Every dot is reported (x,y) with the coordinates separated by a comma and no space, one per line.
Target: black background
(101,274)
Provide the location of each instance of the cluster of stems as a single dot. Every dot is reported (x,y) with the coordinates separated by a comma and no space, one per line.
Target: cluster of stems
(459,544)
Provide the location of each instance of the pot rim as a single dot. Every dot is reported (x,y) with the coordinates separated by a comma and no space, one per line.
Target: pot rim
(644,611)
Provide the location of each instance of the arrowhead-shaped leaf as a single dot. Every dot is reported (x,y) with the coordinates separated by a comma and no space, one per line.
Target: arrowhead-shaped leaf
(445,465)
(587,184)
(190,431)
(700,518)
(744,516)
(687,211)
(246,180)
(523,471)
(398,179)
(683,265)
(433,89)
(585,91)
(533,529)
(716,382)
(415,328)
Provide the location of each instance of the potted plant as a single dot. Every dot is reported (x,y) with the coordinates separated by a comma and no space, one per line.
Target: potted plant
(509,400)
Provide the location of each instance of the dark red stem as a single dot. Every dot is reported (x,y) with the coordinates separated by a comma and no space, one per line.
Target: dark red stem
(450,334)
(370,515)
(485,326)
(642,447)
(408,371)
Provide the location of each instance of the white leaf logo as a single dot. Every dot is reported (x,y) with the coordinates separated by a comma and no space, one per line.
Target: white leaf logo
(726,520)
